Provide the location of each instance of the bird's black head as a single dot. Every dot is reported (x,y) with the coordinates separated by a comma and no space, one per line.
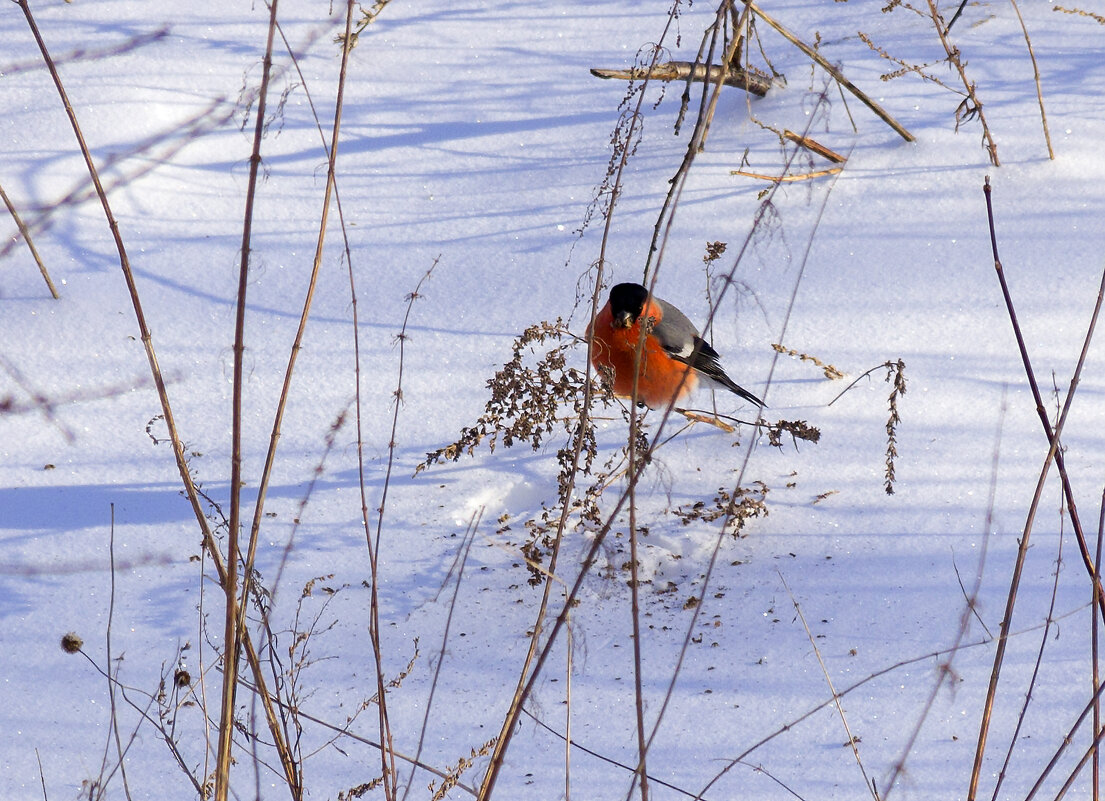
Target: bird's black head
(627,301)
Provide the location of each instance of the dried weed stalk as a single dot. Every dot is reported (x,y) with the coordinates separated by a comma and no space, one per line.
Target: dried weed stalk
(455,772)
(970,107)
(527,399)
(830,372)
(536,397)
(1078,12)
(895,375)
(798,430)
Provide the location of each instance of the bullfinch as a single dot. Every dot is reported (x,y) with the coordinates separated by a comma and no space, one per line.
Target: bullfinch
(672,348)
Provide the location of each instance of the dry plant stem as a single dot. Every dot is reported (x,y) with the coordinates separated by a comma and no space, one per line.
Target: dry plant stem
(531,666)
(568,714)
(693,72)
(41,776)
(969,88)
(815,146)
(459,561)
(232,632)
(107,638)
(155,368)
(721,536)
(30,242)
(656,780)
(291,770)
(828,680)
(1067,741)
(829,68)
(1014,738)
(281,406)
(787,178)
(634,577)
(1094,634)
(697,139)
(1052,454)
(945,670)
(387,757)
(1036,74)
(1060,461)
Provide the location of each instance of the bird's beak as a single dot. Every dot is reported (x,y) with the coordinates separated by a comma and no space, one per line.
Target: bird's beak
(623,320)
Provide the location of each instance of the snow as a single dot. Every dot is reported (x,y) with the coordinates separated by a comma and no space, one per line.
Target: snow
(474,137)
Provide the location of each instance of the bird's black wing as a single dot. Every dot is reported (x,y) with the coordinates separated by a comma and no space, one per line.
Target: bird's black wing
(680,338)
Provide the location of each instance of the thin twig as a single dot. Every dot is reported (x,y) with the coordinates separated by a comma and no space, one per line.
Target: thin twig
(968,86)
(107,645)
(787,178)
(1036,75)
(815,146)
(1014,738)
(852,739)
(829,68)
(945,673)
(459,562)
(232,630)
(576,745)
(41,776)
(1094,646)
(693,72)
(535,656)
(1053,454)
(26,234)
(634,583)
(569,650)
(391,778)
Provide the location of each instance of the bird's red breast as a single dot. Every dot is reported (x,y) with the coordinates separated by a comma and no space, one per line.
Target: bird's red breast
(661,380)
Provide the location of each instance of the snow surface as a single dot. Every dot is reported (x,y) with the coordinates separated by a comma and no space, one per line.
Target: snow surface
(474,135)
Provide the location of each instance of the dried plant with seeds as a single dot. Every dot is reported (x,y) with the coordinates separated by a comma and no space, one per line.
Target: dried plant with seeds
(830,372)
(527,398)
(895,375)
(798,430)
(736,507)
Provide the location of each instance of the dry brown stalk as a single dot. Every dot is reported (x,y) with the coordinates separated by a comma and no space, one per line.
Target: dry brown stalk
(711,420)
(232,635)
(732,75)
(853,741)
(815,146)
(254,537)
(1036,75)
(833,71)
(162,391)
(535,654)
(1055,454)
(806,176)
(1078,12)
(30,242)
(971,106)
